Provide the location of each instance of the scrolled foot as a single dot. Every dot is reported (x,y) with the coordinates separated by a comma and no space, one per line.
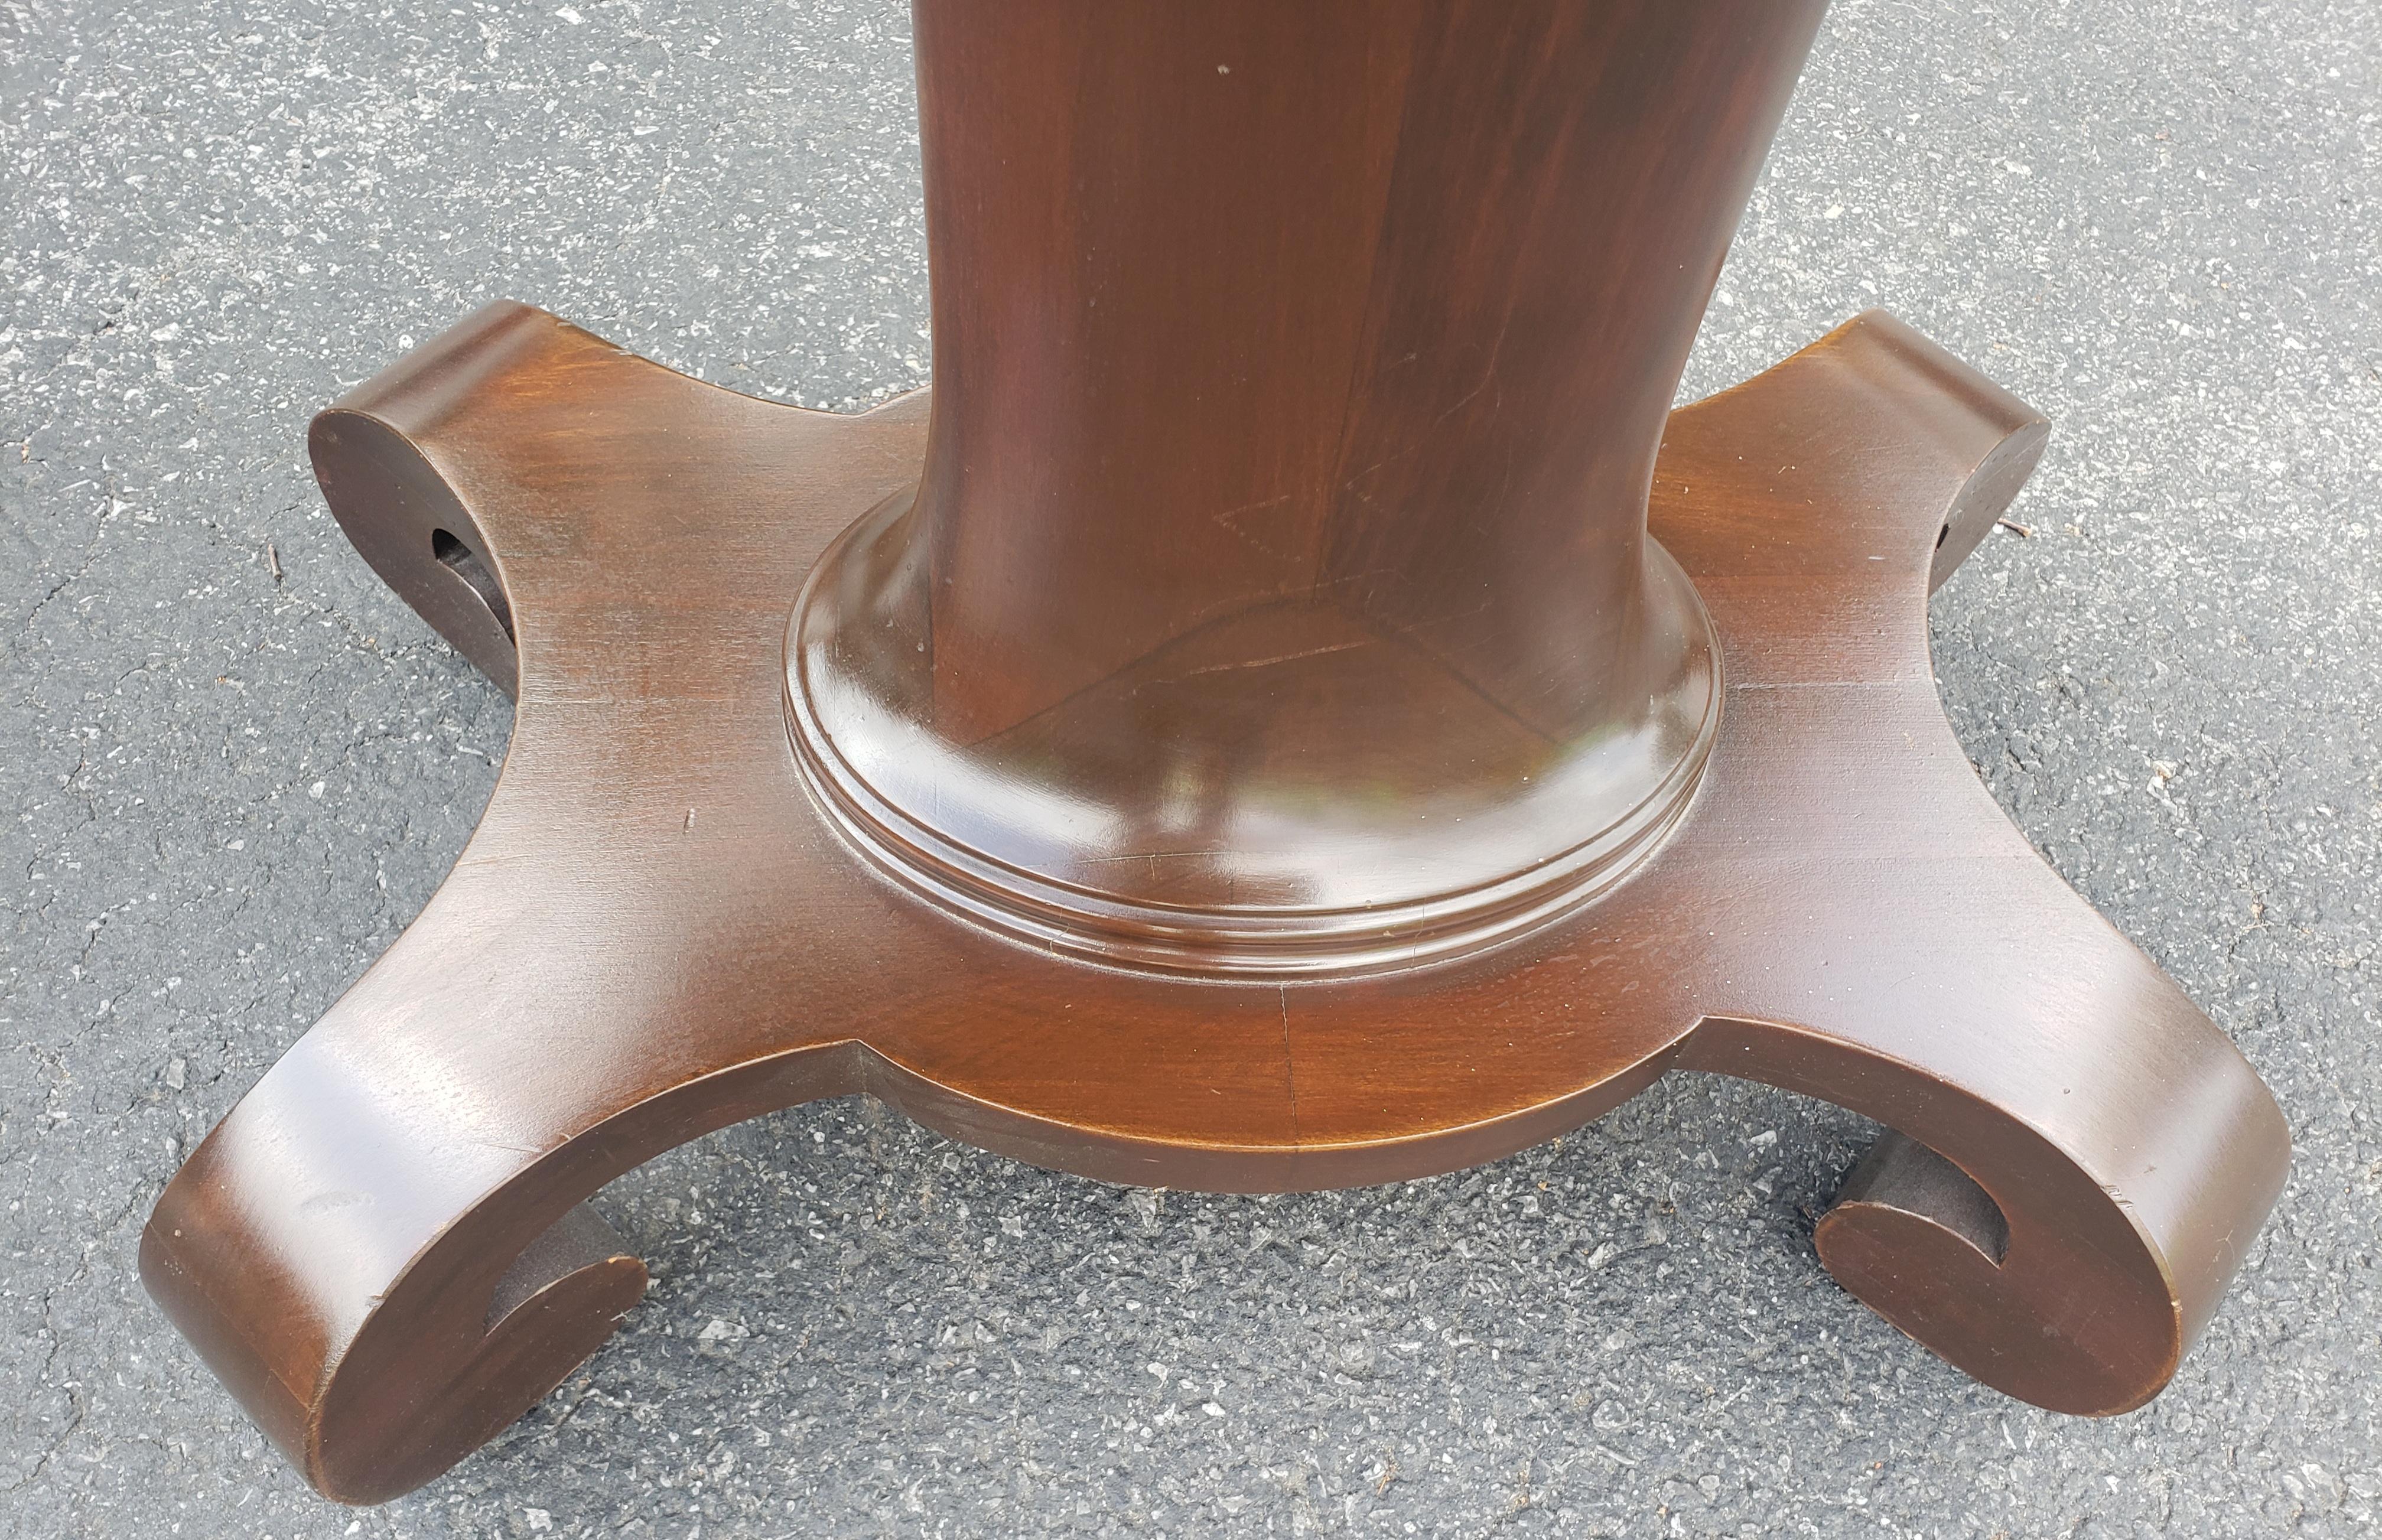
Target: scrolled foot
(422,1382)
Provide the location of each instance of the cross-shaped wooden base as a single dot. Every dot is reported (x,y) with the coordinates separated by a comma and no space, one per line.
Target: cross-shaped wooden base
(657,932)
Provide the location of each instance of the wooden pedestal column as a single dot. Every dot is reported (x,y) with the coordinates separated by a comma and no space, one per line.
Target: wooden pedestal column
(1297,709)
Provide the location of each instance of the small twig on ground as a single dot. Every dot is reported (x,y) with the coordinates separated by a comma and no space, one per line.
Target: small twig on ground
(2016,527)
(273,560)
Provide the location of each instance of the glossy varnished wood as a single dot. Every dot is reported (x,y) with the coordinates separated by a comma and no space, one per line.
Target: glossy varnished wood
(653,935)
(665,923)
(1276,599)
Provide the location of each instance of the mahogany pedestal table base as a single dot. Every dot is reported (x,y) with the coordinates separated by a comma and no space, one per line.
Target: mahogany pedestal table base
(659,930)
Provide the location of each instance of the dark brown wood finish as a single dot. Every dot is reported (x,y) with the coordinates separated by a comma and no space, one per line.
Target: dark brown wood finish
(1277,599)
(1300,378)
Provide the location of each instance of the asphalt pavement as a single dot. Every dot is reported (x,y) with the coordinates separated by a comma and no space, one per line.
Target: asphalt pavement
(234,765)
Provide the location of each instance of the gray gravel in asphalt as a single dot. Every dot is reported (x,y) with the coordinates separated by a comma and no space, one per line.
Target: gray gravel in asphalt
(234,765)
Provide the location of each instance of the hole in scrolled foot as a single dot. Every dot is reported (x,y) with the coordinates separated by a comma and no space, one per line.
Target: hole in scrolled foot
(466,563)
(1900,1173)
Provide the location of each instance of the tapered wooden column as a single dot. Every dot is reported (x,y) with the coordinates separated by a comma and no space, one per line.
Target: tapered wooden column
(1277,598)
(1387,319)
(1292,708)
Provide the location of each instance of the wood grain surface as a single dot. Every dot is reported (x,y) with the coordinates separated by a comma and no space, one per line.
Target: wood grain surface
(654,933)
(1299,470)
